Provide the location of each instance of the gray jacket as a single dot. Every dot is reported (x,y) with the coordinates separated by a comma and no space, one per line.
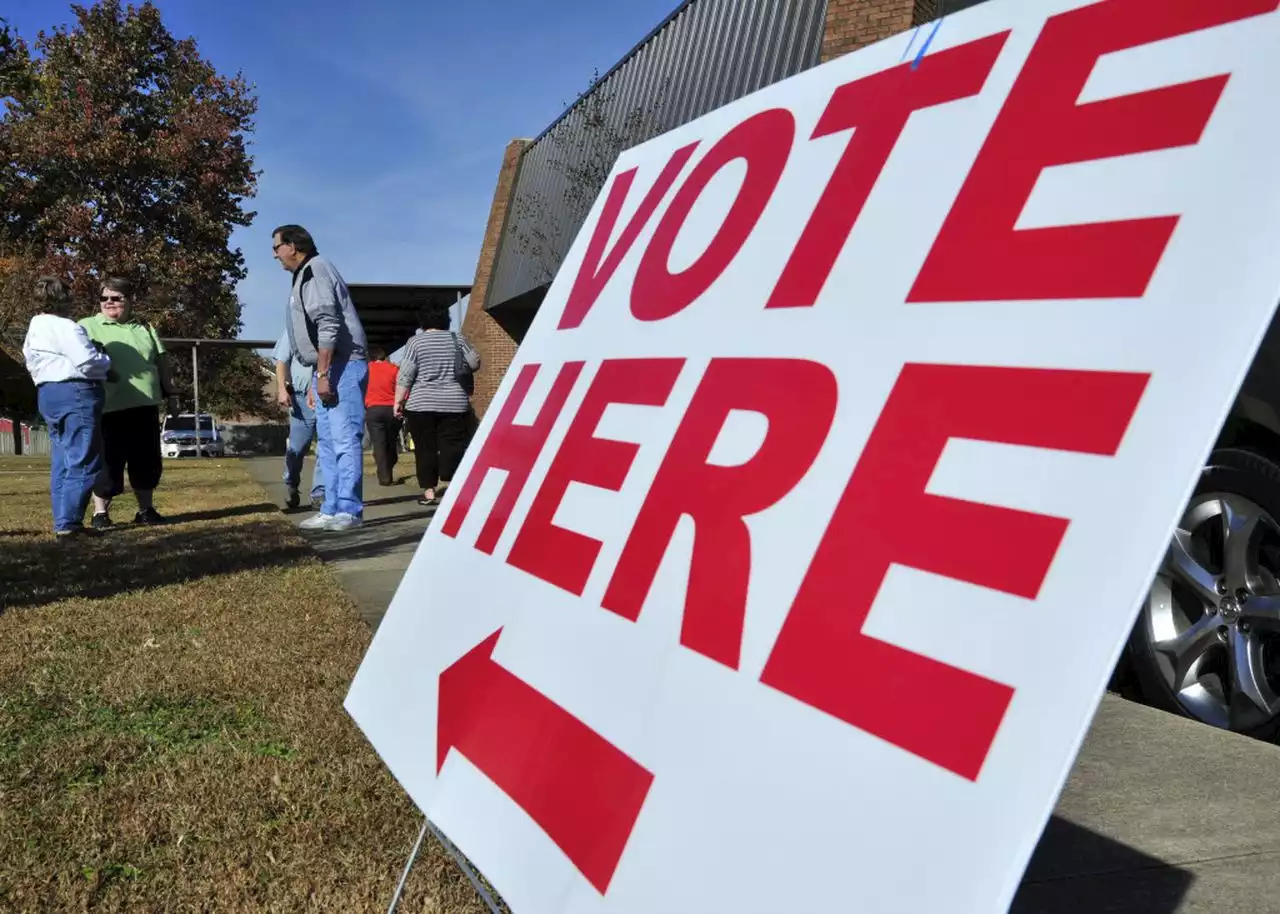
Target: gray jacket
(322,315)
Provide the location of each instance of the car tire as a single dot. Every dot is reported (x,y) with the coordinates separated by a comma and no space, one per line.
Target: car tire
(1206,644)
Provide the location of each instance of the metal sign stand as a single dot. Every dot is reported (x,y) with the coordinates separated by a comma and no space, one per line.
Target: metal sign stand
(463,864)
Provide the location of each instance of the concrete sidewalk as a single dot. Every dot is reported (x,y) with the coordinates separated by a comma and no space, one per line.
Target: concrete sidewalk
(370,560)
(1160,815)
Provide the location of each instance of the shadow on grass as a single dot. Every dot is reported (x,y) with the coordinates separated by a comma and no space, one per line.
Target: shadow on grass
(1075,869)
(221,513)
(44,571)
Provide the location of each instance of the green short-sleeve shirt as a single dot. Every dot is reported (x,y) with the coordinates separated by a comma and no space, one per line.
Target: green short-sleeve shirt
(135,352)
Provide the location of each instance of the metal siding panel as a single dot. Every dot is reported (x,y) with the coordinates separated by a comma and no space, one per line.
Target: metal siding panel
(706,58)
(633,89)
(733,56)
(788,12)
(671,67)
(752,31)
(717,59)
(571,154)
(641,85)
(666,67)
(706,54)
(588,144)
(796,46)
(679,61)
(812,40)
(700,42)
(783,39)
(664,64)
(748,36)
(730,53)
(645,84)
(758,46)
(757,58)
(696,60)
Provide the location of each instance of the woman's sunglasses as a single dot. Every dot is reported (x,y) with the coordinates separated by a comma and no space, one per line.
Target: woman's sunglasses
(119,298)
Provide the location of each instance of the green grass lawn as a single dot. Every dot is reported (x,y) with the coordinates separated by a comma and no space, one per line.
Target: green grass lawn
(172,735)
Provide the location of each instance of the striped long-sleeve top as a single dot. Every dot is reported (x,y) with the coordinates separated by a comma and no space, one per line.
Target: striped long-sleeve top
(427,372)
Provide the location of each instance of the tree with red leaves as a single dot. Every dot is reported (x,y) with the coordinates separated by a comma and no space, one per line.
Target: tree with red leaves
(123,151)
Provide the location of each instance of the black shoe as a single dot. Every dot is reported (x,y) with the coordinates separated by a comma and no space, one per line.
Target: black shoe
(72,533)
(148,516)
(101,521)
(291,498)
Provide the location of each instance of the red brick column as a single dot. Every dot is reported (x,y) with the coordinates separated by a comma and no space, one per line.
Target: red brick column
(851,24)
(495,345)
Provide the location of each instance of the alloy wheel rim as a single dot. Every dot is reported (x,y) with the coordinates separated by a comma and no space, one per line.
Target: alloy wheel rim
(1212,617)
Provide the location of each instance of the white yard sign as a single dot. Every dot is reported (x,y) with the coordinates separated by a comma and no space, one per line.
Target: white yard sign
(791,561)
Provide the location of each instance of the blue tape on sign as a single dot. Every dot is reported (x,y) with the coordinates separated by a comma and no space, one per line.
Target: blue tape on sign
(910,44)
(928,41)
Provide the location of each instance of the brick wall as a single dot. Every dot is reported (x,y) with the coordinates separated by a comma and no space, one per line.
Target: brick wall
(851,24)
(495,345)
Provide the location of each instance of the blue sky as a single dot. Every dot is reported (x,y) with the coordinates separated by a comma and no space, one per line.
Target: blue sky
(381,128)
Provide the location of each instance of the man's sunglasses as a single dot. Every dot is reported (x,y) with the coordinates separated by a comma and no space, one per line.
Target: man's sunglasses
(119,298)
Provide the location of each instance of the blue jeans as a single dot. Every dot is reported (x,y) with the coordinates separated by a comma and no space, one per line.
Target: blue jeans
(72,410)
(302,428)
(339,435)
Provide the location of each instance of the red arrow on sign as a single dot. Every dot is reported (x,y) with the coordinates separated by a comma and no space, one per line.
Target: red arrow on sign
(582,790)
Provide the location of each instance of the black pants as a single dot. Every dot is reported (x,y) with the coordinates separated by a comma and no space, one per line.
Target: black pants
(130,440)
(439,441)
(384,434)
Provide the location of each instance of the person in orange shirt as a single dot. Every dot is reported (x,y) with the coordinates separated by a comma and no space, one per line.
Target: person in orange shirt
(379,416)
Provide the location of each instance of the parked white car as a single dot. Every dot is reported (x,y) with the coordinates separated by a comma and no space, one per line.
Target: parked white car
(179,436)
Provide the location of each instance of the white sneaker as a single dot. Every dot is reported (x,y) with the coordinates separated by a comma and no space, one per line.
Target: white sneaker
(343,522)
(317,521)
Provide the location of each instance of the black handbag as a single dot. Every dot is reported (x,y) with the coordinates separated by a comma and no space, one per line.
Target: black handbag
(462,372)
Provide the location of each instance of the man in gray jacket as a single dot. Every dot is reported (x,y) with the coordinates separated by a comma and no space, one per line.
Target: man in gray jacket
(325,334)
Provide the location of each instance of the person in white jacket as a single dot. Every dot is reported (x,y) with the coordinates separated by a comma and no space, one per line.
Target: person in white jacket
(68,371)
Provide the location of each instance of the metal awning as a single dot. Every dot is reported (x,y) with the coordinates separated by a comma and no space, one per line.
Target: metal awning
(389,313)
(174,342)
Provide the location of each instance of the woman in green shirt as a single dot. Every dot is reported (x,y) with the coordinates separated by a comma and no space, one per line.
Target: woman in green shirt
(131,415)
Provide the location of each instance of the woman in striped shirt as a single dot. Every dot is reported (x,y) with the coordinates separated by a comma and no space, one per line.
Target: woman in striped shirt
(435,406)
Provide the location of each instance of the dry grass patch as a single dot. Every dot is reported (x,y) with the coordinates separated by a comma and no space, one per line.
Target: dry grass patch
(172,735)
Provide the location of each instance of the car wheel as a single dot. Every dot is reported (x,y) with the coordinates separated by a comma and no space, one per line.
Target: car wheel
(1207,641)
